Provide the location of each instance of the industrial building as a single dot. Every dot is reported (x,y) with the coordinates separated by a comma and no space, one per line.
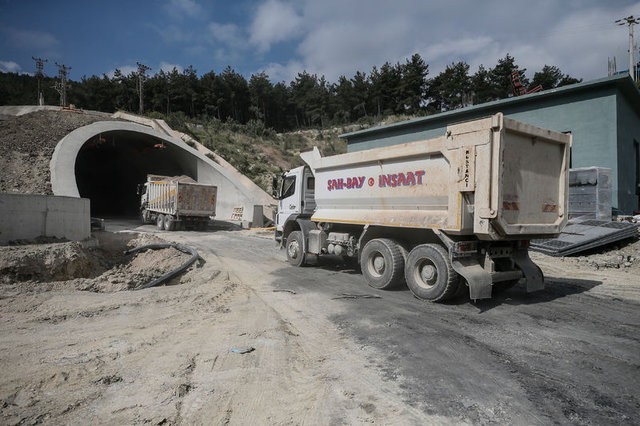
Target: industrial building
(603,115)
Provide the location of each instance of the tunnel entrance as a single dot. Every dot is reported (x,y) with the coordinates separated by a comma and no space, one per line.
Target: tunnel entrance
(110,165)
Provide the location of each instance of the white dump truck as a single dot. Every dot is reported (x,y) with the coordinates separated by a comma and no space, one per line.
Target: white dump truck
(176,202)
(438,214)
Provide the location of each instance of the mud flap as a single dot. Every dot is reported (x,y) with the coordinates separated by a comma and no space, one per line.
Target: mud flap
(478,279)
(532,272)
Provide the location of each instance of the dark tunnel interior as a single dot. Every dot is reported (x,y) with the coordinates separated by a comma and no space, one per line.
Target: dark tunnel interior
(110,166)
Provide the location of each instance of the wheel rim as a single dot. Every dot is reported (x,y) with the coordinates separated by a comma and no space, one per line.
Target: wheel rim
(293,248)
(377,264)
(426,273)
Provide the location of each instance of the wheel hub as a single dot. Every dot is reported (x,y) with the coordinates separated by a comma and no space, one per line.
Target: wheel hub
(292,249)
(428,274)
(378,264)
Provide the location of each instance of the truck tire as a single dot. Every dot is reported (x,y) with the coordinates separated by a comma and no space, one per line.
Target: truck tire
(144,216)
(382,263)
(429,273)
(169,223)
(295,248)
(160,221)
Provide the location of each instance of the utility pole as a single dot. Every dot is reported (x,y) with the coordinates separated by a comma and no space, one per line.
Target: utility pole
(39,74)
(142,69)
(61,86)
(630,21)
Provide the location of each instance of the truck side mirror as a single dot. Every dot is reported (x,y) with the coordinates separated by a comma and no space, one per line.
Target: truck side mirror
(138,189)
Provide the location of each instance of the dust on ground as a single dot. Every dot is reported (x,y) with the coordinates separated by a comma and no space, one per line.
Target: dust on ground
(67,345)
(81,346)
(27,143)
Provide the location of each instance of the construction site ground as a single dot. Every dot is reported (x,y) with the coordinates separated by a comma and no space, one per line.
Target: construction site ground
(244,338)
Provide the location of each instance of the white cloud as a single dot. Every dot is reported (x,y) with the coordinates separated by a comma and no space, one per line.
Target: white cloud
(338,38)
(9,66)
(180,8)
(228,43)
(275,21)
(124,69)
(30,39)
(466,46)
(168,67)
(278,72)
(228,34)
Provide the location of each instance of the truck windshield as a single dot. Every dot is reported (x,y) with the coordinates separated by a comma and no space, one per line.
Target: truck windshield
(288,186)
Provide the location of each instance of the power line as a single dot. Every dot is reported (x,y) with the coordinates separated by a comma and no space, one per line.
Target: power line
(630,21)
(142,69)
(61,86)
(39,74)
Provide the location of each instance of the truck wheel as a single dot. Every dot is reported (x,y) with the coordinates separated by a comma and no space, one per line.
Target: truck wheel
(144,216)
(160,221)
(382,263)
(169,223)
(295,248)
(429,273)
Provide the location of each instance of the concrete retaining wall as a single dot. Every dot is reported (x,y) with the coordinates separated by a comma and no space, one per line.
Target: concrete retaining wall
(27,216)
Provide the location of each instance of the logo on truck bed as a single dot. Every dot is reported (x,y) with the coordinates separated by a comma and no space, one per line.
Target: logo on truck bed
(345,183)
(389,180)
(401,179)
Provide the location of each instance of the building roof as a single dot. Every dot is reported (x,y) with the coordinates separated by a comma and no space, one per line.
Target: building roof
(623,83)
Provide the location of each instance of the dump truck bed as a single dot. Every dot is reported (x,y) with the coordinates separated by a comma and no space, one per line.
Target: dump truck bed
(181,198)
(496,178)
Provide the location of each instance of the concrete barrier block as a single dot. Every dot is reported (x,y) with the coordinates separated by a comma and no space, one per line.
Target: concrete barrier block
(28,216)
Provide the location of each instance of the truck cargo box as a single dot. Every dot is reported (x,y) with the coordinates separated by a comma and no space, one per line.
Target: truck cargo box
(496,178)
(171,196)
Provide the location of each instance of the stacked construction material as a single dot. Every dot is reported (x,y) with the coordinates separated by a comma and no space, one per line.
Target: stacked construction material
(581,235)
(590,193)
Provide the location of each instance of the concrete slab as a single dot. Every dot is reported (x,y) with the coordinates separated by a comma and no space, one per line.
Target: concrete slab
(28,216)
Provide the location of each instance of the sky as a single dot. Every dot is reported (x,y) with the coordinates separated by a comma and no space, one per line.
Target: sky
(323,37)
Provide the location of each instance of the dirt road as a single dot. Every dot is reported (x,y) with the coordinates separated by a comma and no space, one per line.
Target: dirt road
(324,348)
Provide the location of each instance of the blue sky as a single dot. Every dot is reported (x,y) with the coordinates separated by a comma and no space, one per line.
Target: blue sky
(327,37)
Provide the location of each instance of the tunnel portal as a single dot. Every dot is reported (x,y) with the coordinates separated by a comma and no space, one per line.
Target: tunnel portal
(111,164)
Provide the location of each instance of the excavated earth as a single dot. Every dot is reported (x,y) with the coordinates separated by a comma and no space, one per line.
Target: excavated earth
(99,264)
(27,143)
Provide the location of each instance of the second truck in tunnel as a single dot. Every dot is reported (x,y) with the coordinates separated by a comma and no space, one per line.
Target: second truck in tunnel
(176,202)
(458,210)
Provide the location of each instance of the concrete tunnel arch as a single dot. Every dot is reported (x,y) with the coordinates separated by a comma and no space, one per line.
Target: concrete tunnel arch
(106,160)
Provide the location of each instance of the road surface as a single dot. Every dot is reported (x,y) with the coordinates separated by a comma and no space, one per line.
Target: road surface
(245,338)
(560,356)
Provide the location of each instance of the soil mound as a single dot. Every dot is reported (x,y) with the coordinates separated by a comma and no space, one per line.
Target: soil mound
(95,265)
(27,143)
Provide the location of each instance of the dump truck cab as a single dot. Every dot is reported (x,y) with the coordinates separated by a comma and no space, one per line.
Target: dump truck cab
(295,193)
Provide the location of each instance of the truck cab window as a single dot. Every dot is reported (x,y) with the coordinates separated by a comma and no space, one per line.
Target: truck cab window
(311,183)
(288,186)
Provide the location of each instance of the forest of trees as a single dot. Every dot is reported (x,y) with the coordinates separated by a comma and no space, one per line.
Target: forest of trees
(307,101)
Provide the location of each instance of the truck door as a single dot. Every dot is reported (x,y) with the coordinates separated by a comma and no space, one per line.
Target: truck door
(309,199)
(290,195)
